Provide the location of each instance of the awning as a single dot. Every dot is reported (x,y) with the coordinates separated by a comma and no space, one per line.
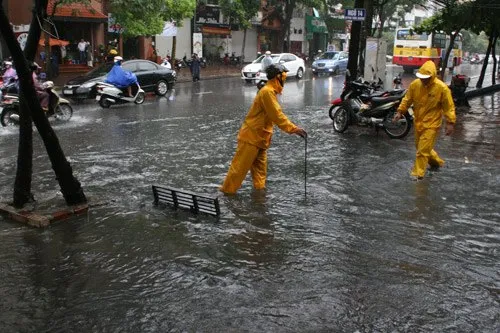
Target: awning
(215,30)
(53,42)
(77,12)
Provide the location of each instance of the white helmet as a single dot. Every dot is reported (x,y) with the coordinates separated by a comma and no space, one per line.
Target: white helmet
(268,52)
(8,63)
(117,58)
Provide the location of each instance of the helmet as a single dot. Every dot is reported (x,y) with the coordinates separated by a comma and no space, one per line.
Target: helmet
(274,69)
(7,63)
(268,52)
(117,58)
(113,52)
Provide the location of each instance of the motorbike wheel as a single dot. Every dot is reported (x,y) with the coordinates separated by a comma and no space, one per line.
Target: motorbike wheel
(397,130)
(140,98)
(104,103)
(9,116)
(332,110)
(64,112)
(341,120)
(161,88)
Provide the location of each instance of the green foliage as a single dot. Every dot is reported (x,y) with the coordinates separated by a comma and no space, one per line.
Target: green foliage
(474,43)
(240,11)
(147,17)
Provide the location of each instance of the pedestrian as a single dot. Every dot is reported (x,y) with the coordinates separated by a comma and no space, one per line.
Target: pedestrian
(266,61)
(431,99)
(89,55)
(82,46)
(195,67)
(254,137)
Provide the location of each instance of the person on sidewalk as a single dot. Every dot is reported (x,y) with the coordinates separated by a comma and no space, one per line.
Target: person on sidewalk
(195,67)
(266,61)
(82,47)
(254,137)
(431,99)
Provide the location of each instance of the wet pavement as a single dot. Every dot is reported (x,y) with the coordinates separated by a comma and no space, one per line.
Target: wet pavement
(367,250)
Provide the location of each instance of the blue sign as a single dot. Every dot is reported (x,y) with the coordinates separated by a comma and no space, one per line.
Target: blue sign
(355,14)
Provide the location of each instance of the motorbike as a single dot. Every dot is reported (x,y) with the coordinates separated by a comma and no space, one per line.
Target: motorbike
(59,108)
(108,94)
(234,59)
(397,82)
(11,87)
(357,106)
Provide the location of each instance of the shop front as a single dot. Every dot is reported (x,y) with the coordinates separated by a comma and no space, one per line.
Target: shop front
(316,34)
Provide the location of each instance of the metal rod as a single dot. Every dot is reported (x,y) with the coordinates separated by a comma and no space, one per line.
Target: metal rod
(305,167)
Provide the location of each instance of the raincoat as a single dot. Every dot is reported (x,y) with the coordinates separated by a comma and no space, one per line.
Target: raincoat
(9,74)
(430,102)
(119,77)
(254,138)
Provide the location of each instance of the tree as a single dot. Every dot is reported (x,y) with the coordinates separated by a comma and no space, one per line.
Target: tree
(30,109)
(241,12)
(451,19)
(283,10)
(177,11)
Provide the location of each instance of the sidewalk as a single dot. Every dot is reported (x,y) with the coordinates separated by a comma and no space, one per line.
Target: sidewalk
(183,75)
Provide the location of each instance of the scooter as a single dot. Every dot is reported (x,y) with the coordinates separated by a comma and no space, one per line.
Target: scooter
(59,108)
(355,107)
(108,94)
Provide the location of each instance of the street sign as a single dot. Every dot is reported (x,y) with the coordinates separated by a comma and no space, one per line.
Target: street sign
(355,14)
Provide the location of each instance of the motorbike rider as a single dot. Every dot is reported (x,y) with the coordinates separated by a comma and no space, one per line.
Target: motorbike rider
(10,73)
(41,93)
(121,78)
(254,137)
(431,99)
(266,61)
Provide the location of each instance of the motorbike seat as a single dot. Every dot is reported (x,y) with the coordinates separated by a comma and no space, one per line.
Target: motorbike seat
(386,99)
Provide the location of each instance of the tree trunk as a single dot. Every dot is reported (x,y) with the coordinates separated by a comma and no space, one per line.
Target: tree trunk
(174,49)
(493,53)
(285,32)
(453,36)
(479,83)
(70,187)
(243,46)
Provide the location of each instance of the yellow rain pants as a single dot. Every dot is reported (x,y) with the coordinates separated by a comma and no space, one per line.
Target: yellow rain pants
(247,157)
(426,155)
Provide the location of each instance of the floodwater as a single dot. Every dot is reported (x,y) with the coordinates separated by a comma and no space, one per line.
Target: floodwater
(366,250)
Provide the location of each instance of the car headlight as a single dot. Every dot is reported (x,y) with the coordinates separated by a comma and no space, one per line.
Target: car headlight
(87,85)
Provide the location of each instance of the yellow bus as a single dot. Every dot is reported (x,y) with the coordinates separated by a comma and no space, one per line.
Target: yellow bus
(411,50)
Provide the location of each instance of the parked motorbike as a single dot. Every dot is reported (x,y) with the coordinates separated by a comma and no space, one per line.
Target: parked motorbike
(108,94)
(234,59)
(397,82)
(59,108)
(356,107)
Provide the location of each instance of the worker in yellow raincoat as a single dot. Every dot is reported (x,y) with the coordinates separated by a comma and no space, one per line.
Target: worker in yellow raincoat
(256,131)
(431,99)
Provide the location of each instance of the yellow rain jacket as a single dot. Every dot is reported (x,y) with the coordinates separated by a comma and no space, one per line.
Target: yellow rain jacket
(430,102)
(257,129)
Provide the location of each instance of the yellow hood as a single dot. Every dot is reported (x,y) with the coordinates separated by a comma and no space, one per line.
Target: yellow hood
(428,69)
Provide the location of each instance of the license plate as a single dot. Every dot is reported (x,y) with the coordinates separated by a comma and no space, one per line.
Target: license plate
(98,98)
(410,58)
(68,92)
(249,75)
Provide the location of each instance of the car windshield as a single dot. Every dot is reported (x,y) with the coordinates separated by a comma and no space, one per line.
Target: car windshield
(330,56)
(258,60)
(101,70)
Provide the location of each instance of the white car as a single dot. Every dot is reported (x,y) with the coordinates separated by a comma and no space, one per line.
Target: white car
(253,71)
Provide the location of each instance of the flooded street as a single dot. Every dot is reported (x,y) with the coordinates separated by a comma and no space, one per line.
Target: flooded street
(367,250)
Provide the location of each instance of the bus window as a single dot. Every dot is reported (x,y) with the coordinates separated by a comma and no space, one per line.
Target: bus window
(408,34)
(439,40)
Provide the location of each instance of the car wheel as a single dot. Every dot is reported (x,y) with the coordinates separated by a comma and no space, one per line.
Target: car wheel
(300,73)
(336,71)
(161,88)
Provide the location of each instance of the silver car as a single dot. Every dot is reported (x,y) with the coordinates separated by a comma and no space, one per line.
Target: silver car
(331,62)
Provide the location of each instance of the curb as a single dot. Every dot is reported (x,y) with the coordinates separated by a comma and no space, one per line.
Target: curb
(482,91)
(39,220)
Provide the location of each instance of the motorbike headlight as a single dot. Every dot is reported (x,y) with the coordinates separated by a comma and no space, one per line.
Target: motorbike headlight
(174,73)
(88,85)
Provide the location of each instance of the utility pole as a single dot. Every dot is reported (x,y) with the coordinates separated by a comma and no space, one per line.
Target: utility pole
(352,63)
